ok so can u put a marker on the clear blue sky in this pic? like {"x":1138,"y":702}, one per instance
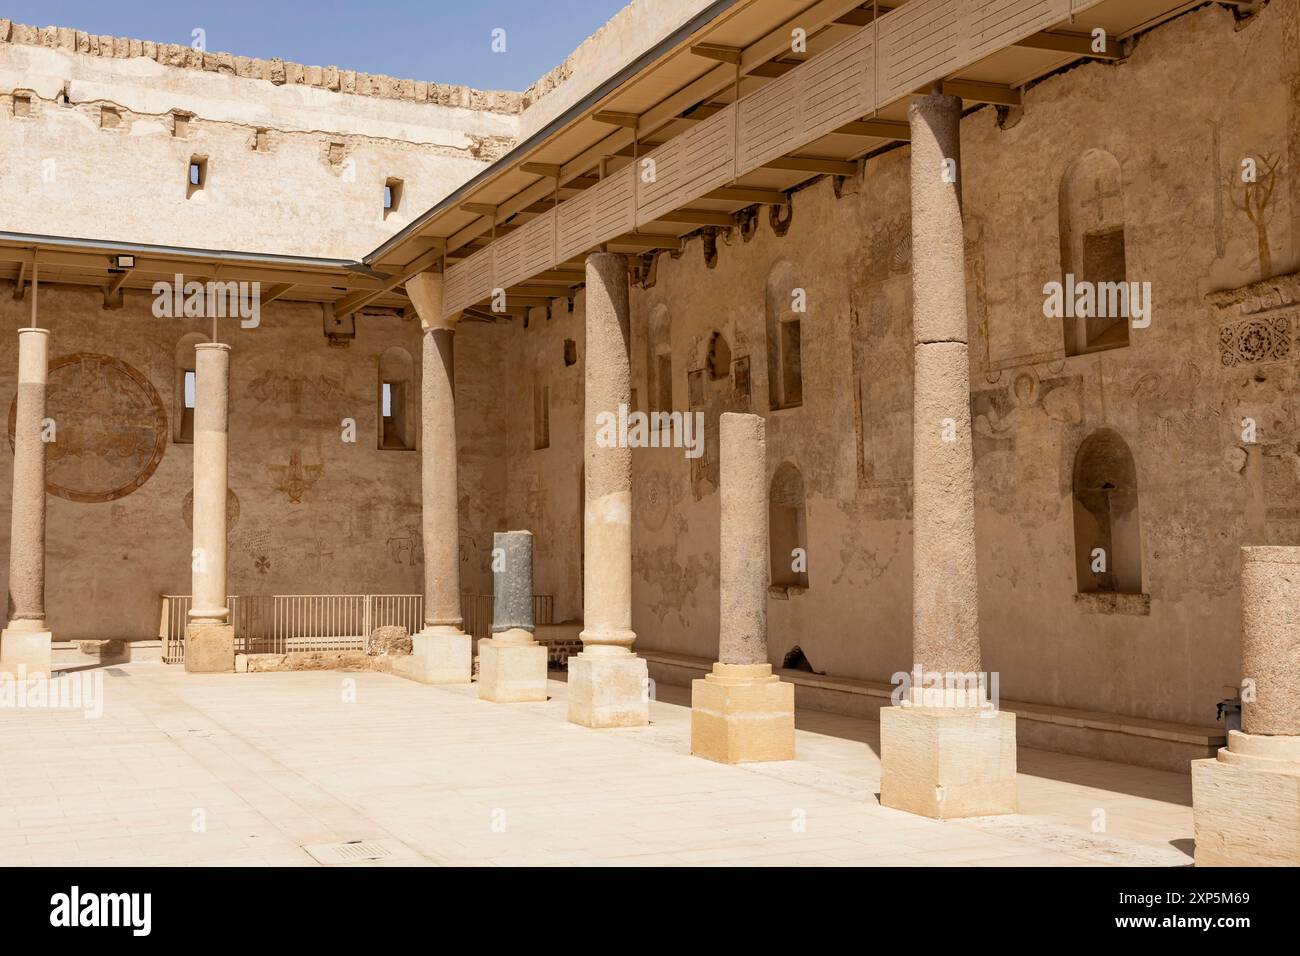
{"x":450,"y":42}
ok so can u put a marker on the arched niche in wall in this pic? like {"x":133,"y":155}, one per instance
{"x":784,"y":333}
{"x":396,"y":398}
{"x":183,"y":388}
{"x":1107,"y":526}
{"x":1091,"y":221}
{"x":719,"y":357}
{"x":788,"y":528}
{"x":659,"y":364}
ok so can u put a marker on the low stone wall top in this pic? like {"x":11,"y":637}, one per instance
{"x":276,"y":71}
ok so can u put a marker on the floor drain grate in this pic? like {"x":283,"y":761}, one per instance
{"x":355,"y":851}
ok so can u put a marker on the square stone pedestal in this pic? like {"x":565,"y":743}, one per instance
{"x":437,"y":657}
{"x":1246,"y":803}
{"x":509,"y":673}
{"x":742,"y":713}
{"x":210,"y":648}
{"x":946,"y":763}
{"x":25,"y":653}
{"x":609,"y":690}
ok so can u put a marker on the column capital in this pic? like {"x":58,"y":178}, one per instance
{"x":223,"y":346}
{"x":425,"y":292}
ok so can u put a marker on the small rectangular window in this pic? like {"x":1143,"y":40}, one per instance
{"x":392,"y":195}
{"x":186,"y":432}
{"x":198,"y":175}
{"x":388,"y":400}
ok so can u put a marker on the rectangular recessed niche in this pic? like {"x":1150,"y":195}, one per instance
{"x":22,"y":104}
{"x":181,"y":124}
{"x":261,"y":141}
{"x":198,"y":175}
{"x":109,"y":118}
{"x":392,"y":195}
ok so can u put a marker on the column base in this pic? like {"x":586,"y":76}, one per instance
{"x":742,"y":713}
{"x":439,"y":655}
{"x":1246,"y":802}
{"x":510,"y":673}
{"x":609,"y":690}
{"x":25,"y":653}
{"x":947,"y":763}
{"x":210,"y":648}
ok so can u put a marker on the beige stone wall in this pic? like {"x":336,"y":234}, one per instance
{"x":1195,"y":97}
{"x":310,"y":513}
{"x":544,"y":493}
{"x":310,"y":184}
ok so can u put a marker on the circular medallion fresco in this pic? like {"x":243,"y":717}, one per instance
{"x":110,"y":428}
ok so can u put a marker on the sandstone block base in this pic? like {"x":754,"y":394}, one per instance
{"x":1246,"y":803}
{"x":742,"y":713}
{"x":947,"y":763}
{"x":437,"y":657}
{"x":509,"y":673}
{"x":609,"y":690}
{"x":210,"y":649}
{"x":25,"y":653}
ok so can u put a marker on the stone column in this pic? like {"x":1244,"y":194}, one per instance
{"x":441,"y":653}
{"x":947,"y":752}
{"x":1246,"y":802}
{"x":209,"y":636}
{"x":512,"y":666}
{"x":608,"y":684}
{"x":25,"y":642}
{"x":742,"y":711}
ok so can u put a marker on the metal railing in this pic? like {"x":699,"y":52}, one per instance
{"x":284,"y":623}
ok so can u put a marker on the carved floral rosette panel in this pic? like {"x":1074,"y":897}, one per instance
{"x":1266,"y":338}
{"x":110,"y":428}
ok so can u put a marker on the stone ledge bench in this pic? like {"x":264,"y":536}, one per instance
{"x":1102,"y":736}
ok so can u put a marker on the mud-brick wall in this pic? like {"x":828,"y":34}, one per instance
{"x":1195,"y":97}
{"x":309,"y":512}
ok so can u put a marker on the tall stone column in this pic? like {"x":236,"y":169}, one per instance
{"x":25,"y":642}
{"x":1246,"y":802}
{"x":947,"y":752}
{"x":209,"y":636}
{"x":608,"y":684}
{"x":742,"y":711}
{"x":441,"y":653}
{"x":512,"y":666}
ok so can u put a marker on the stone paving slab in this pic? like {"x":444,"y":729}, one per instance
{"x":248,"y":769}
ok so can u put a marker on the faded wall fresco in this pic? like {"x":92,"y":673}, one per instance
{"x":308,"y":513}
{"x":1175,"y":395}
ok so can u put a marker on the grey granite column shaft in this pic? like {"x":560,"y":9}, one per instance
{"x":512,"y":585}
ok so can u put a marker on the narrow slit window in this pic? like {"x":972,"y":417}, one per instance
{"x":187,"y":408}
{"x":392,"y":195}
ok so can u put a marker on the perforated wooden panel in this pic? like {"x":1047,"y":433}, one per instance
{"x":994,"y":24}
{"x":919,"y":42}
{"x":479,"y":266}
{"x":708,"y":155}
{"x":769,"y":123}
{"x":539,"y":246}
{"x":507,"y":268}
{"x":660,"y":175}
{"x":613,"y":210}
{"x":574,"y":234}
{"x":455,"y":289}
{"x":837,"y":86}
